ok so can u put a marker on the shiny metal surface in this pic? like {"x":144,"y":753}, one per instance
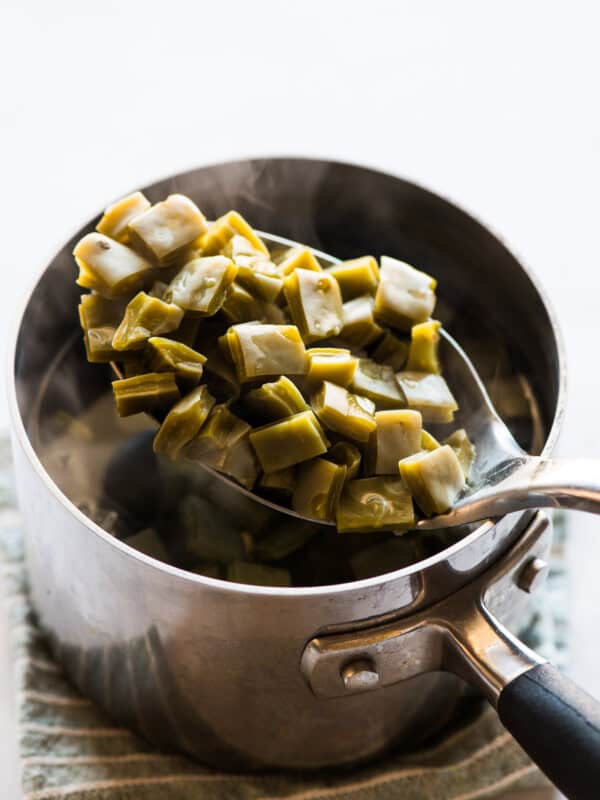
{"x":205,"y":666}
{"x":526,"y":482}
{"x":210,"y":667}
{"x":533,"y":575}
{"x":504,"y":477}
{"x":459,"y":634}
{"x":360,"y":675}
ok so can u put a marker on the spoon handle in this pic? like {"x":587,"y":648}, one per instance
{"x":530,"y":482}
{"x":549,"y":483}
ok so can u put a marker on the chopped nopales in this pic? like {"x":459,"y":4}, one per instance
{"x":225,"y":342}
{"x":257,"y":574}
{"x":464,"y":448}
{"x":347,"y":455}
{"x":315,"y":303}
{"x":241,"y":306}
{"x":220,"y":375}
{"x":116,"y":218}
{"x":167,"y":229}
{"x":217,"y":236}
{"x":334,"y":364}
{"x":298,"y":258}
{"x":378,"y":383}
{"x":148,"y":541}
{"x":434,"y":478}
{"x":210,"y":313}
{"x":187,"y":332}
{"x":348,"y":414}
{"x":275,"y":315}
{"x":429,"y":394}
{"x":99,"y":319}
{"x":318,"y":486}
{"x":263,"y":285}
{"x":405,"y":296}
{"x":223,"y":444}
{"x":392,"y":554}
{"x":398,"y":435}
{"x":428,"y":442}
{"x":289,"y":441}
{"x":284,"y":540}
{"x":423,"y":353}
{"x":166,"y":355}
{"x":221,"y":431}
{"x":200,"y":287}
{"x":358,"y":324}
{"x":277,"y":400}
{"x":371,"y":504}
{"x":158,"y":289}
{"x":256,"y":272}
{"x":356,"y":277}
{"x":153,"y":391}
{"x":183,"y":422}
{"x":205,"y":536}
{"x":109,"y":267}
{"x":145,"y":316}
{"x":240,"y":462}
{"x":241,"y":250}
{"x":392,"y":351}
{"x":134,"y":364}
{"x":266,"y":350}
{"x":279,"y":484}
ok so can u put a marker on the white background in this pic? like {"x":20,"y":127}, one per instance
{"x":494,"y":105}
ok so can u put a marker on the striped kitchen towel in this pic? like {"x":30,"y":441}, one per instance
{"x":69,"y":749}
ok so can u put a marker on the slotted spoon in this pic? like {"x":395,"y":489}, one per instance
{"x":504,"y":477}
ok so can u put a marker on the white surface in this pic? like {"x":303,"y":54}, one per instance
{"x":493,"y":105}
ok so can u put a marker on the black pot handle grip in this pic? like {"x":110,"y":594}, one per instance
{"x":558,"y":725}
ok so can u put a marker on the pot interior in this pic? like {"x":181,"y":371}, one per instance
{"x":105,"y":465}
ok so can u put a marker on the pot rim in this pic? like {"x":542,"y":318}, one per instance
{"x":20,"y":434}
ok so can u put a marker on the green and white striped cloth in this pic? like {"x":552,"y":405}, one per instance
{"x":69,"y":749}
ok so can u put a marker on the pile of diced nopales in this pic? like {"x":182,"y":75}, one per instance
{"x":307,"y":385}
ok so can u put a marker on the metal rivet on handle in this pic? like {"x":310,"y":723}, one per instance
{"x":360,"y":675}
{"x":533,"y":575}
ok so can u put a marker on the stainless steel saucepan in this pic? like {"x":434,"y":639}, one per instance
{"x":244,"y":677}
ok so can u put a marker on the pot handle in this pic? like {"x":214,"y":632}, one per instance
{"x":555,"y":722}
{"x":558,"y":725}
